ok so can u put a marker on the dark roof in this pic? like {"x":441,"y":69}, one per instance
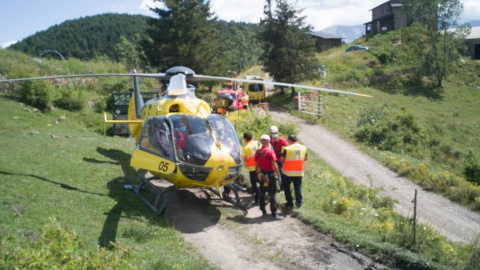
{"x":325,"y":35}
{"x":393,"y":3}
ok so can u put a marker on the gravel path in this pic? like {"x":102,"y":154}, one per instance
{"x":456,"y":222}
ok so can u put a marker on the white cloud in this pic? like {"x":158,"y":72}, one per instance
{"x":8,"y":43}
{"x":239,"y":11}
{"x":319,"y":13}
{"x":471,"y":9}
{"x":147,"y":4}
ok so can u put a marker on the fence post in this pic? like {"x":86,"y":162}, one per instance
{"x":415,"y":218}
{"x":320,"y":107}
{"x":299,"y":103}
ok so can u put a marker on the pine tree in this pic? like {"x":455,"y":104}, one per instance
{"x":289,"y":49}
{"x":184,"y":34}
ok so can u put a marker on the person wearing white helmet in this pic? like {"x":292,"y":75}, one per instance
{"x":267,"y":171}
{"x":278,"y":143}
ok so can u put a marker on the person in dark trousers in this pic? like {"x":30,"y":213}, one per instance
{"x":251,"y":146}
{"x":293,"y":158}
{"x":278,"y":143}
{"x":267,"y":171}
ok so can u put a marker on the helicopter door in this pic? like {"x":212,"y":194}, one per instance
{"x":155,"y":150}
{"x":225,"y":133}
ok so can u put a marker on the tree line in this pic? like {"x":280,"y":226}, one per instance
{"x":187,"y":32}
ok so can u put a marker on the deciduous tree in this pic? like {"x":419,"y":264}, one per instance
{"x":440,"y":53}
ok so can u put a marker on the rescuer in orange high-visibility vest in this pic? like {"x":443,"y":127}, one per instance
{"x":293,"y":157}
{"x":251,"y":146}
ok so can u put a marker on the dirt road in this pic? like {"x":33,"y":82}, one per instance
{"x":232,"y":240}
{"x":456,"y":222}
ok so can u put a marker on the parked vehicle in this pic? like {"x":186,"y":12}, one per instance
{"x":230,"y":100}
{"x":357,"y":48}
{"x":255,"y":91}
{"x":120,"y":101}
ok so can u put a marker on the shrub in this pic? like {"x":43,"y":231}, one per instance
{"x":60,"y":248}
{"x":402,"y":133}
{"x":37,"y":93}
{"x":72,"y":100}
{"x":472,"y":172}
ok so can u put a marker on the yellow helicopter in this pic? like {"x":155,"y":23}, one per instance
{"x":179,"y":139}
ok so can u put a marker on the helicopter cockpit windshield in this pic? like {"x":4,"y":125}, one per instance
{"x":189,"y":139}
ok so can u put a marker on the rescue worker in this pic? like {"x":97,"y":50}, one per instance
{"x":267,"y":171}
{"x":251,"y":146}
{"x":278,"y":143}
{"x":293,"y":157}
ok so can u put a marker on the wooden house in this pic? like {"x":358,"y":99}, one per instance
{"x":386,"y":17}
{"x":473,"y":43}
{"x":324,"y":41}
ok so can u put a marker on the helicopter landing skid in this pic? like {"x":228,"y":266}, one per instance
{"x":157,"y":206}
{"x":236,"y":200}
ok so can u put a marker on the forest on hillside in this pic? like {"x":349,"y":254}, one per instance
{"x":97,"y":36}
{"x":87,"y":37}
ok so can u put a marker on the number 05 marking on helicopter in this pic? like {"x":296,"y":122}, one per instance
{"x":163,"y":166}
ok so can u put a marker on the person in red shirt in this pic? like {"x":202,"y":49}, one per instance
{"x":180,"y":135}
{"x":278,"y":143}
{"x":267,"y":171}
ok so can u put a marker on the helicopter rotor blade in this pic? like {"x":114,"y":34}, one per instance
{"x":145,"y":75}
{"x":206,"y":78}
{"x":194,"y":77}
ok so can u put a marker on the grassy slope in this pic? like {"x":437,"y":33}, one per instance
{"x":61,"y":171}
{"x":448,"y":117}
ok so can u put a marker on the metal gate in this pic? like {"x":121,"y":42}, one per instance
{"x":310,"y":103}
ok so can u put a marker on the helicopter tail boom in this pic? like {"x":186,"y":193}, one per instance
{"x":106,"y":121}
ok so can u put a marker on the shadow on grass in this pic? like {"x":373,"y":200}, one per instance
{"x":415,"y":88}
{"x":126,"y":202}
{"x":64,"y":186}
{"x":428,"y":91}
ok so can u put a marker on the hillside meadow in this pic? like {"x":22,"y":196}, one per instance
{"x":427,"y":134}
{"x":61,"y":174}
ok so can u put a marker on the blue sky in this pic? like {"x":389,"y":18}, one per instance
{"x":22,"y":18}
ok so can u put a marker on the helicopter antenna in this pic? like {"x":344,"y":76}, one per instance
{"x":138,"y":97}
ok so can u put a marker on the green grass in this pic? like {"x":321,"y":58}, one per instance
{"x":448,"y":122}
{"x":58,"y":165}
{"x":68,"y":172}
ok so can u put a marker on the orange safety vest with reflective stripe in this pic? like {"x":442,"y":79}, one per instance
{"x":249,"y":154}
{"x":294,"y":159}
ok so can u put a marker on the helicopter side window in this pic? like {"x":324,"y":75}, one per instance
{"x":157,"y":139}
